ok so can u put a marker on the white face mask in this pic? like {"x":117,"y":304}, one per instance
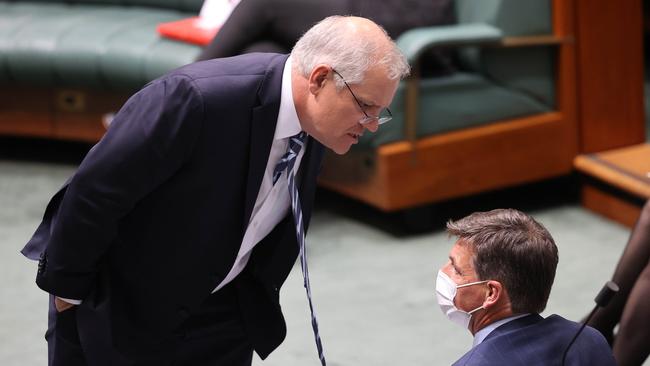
{"x":446,"y":292}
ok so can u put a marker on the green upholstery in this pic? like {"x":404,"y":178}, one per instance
{"x":493,"y":84}
{"x":99,"y":45}
{"x":513,"y":17}
{"x":416,"y":41}
{"x":452,"y":102}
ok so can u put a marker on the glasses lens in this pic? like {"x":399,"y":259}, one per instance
{"x":380,"y":120}
{"x":383,"y":120}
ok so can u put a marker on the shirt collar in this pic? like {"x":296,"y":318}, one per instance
{"x":288,"y":123}
{"x":485,"y":331}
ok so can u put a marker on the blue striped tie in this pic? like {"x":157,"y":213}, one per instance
{"x":286,"y":163}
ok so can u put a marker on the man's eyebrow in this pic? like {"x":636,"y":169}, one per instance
{"x":366,"y":102}
{"x":453,"y":264}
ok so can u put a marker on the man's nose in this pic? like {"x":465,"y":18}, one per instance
{"x":372,"y":126}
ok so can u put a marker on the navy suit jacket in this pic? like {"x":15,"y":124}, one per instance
{"x":153,"y":219}
{"x":535,"y":341}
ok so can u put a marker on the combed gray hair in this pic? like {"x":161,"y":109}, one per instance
{"x":329,"y":43}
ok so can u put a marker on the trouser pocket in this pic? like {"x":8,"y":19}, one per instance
{"x":67,"y":347}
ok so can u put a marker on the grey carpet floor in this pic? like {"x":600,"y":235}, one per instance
{"x":373,"y":290}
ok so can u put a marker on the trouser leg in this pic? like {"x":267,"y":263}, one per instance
{"x":63,"y":346}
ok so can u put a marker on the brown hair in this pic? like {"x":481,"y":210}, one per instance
{"x":514,"y":249}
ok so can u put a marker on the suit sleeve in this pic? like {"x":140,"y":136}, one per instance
{"x":150,"y":139}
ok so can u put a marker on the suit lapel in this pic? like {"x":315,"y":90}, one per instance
{"x":477,"y":357}
{"x":263,"y":122}
{"x":262,"y":130}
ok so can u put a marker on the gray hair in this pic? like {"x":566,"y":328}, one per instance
{"x":328,"y":42}
{"x":514,"y":249}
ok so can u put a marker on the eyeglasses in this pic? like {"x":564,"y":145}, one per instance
{"x":381,"y":119}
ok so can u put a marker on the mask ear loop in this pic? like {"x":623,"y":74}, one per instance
{"x":475,"y":310}
{"x":471,"y":283}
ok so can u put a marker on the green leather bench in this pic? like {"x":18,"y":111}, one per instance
{"x":491,"y":84}
{"x":84,"y":57}
{"x":506,"y":117}
{"x":96,"y":44}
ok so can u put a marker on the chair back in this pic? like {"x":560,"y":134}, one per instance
{"x":528,"y":69}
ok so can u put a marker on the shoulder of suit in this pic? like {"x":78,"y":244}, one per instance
{"x":248,"y":65}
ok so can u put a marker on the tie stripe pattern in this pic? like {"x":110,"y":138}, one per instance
{"x":295,"y":144}
{"x":286,"y":163}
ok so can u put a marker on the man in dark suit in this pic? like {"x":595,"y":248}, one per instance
{"x":180,"y":226}
{"x":495,"y":284}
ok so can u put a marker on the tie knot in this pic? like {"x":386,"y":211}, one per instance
{"x":296,"y":143}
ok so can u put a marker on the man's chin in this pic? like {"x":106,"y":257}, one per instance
{"x":340,"y":150}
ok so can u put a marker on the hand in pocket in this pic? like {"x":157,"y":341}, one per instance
{"x":61,"y":305}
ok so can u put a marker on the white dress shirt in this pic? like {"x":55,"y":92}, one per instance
{"x":272,"y":203}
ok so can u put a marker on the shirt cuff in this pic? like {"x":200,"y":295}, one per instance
{"x":71,"y":301}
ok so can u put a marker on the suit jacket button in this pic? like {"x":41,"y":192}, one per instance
{"x":42,"y":263}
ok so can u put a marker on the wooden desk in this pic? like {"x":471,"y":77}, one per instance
{"x":617,"y":182}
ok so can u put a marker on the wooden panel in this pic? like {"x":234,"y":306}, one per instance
{"x":79,"y":113}
{"x":565,"y":88}
{"x":526,"y":41}
{"x":618,"y":182}
{"x":457,"y":163}
{"x":59,"y":113}
{"x":26,"y":111}
{"x":610,"y":73}
{"x":610,"y":206}
{"x":627,"y":168}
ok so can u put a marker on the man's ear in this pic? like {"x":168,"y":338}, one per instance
{"x":495,"y":292}
{"x":318,"y":77}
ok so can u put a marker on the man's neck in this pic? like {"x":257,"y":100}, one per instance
{"x":482,"y":319}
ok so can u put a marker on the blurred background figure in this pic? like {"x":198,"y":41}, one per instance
{"x":629,"y":309}
{"x":276,"y":25}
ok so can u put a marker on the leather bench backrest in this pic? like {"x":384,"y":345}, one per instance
{"x":513,"y":17}
{"x":192,"y":6}
{"x":529,"y":69}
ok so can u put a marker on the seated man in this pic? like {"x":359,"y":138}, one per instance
{"x":497,"y":281}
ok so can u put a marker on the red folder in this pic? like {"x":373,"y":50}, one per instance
{"x":188,"y":30}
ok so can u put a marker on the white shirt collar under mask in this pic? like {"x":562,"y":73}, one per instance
{"x":446,"y":290}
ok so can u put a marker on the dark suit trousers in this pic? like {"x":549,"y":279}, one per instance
{"x":212,"y":336}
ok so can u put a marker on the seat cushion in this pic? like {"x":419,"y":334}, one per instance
{"x":454,"y":102}
{"x":85,"y":45}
